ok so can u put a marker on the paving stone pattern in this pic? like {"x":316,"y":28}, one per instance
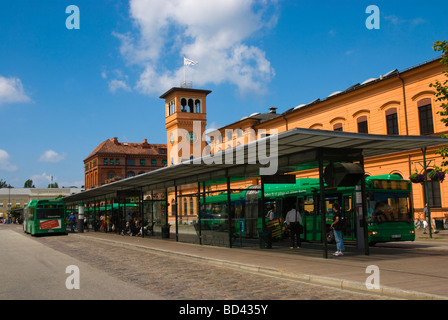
{"x":178,"y":278}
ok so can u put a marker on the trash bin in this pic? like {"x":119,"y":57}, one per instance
{"x":166,"y":231}
{"x":439,"y":224}
{"x":265,"y":240}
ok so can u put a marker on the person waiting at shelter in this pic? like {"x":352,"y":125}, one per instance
{"x":72,"y":220}
{"x":337,"y":229}
{"x":126,"y":230}
{"x":271,"y":214}
{"x":293,"y":221}
{"x":135,"y":227}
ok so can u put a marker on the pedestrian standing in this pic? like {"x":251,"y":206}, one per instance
{"x":337,"y":229}
{"x":293,"y":221}
{"x":72,"y":220}
{"x":271,"y":214}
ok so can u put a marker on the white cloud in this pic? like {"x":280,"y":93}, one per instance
{"x":11,"y":90}
{"x":41,"y":180}
{"x":115,"y":85}
{"x":396,"y":20}
{"x":51,"y":156}
{"x":5,"y":162}
{"x":215,"y":33}
{"x":119,"y":83}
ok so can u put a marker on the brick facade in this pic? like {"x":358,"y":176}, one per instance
{"x":113,"y":160}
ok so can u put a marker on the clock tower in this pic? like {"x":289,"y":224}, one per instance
{"x":185,"y":122}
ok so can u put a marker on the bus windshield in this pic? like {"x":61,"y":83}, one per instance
{"x":49,"y":213}
{"x":389,"y":207}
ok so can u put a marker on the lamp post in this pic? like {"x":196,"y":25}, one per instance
{"x":426,"y":192}
{"x":81,"y":217}
{"x":8,"y":212}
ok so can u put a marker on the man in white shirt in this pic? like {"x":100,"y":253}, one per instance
{"x":294,"y":220}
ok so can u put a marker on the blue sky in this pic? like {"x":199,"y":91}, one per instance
{"x":63,"y":91}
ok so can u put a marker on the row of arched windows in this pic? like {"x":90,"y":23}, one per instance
{"x":424,"y":113}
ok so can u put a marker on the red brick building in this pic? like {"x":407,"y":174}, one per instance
{"x":113,"y":160}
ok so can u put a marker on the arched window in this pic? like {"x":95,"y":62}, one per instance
{"x":190,"y":105}
{"x":425,"y":116}
{"x":171,"y":107}
{"x":130,"y":174}
{"x":392,"y":121}
{"x":197,"y":106}
{"x":434,"y":196}
{"x":397,"y":174}
{"x":337,"y":127}
{"x":183,"y":104}
{"x":173,"y":208}
{"x":185,"y":206}
{"x":362,"y":125}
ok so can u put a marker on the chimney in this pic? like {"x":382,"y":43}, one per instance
{"x":273,"y":110}
{"x":115,"y":140}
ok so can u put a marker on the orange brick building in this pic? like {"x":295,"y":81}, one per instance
{"x":396,"y":103}
{"x":113,"y":160}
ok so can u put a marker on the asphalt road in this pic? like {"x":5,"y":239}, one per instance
{"x":33,"y":270}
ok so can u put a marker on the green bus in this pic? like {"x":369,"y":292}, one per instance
{"x":389,"y":209}
{"x":45,"y":216}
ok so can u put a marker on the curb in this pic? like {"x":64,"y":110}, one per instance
{"x":348,"y":285}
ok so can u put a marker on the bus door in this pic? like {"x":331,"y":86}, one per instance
{"x":310,"y":219}
{"x":278,"y":208}
{"x":348,"y":210}
{"x":300,"y":206}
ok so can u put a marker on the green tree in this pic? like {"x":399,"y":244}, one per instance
{"x":3,"y":184}
{"x":53,"y":185}
{"x":442,"y":95}
{"x":29,"y":184}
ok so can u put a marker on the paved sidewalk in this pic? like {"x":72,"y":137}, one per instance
{"x":411,"y":270}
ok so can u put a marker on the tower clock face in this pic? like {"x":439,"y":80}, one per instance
{"x":172,"y":138}
{"x":191,"y":136}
